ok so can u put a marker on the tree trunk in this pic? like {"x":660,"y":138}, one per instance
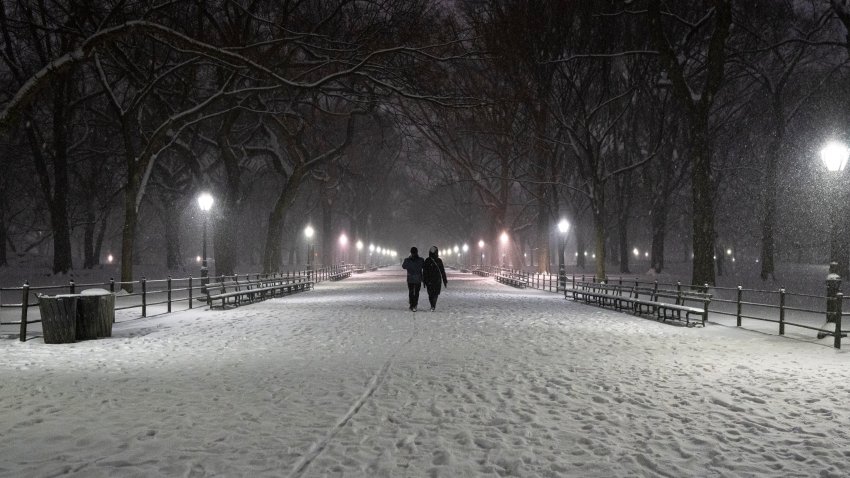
{"x":703,"y":207}
{"x":272,"y":250}
{"x":173,"y":256}
{"x":659,"y":234}
{"x":544,"y":221}
{"x":327,"y":230}
{"x":89,"y":260}
{"x":4,"y":237}
{"x":128,"y":234}
{"x":581,"y":247}
{"x":227,"y":232}
{"x":770,"y":188}
{"x":599,"y":230}
{"x":623,"y":242}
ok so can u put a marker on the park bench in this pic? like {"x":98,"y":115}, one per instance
{"x":481,"y":272}
{"x":672,"y":303}
{"x":235,"y":292}
{"x":518,"y":282}
{"x":339,"y":275}
{"x":602,"y":294}
{"x":664,"y":304}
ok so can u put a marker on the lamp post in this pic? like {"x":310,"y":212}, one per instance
{"x":343,"y":242}
{"x":563,"y":227}
{"x":308,"y":233}
{"x":481,"y":249}
{"x":359,"y":246}
{"x":834,"y":156}
{"x":503,"y":239}
{"x":205,"y":202}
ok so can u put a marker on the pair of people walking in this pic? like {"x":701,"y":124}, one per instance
{"x":429,"y":271}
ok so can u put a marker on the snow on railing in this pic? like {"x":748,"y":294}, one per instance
{"x":159,"y":294}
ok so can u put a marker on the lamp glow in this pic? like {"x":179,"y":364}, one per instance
{"x":834,"y":156}
{"x":205,"y":201}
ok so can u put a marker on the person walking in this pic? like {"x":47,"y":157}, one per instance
{"x":433,"y":273}
{"x":413,"y":264}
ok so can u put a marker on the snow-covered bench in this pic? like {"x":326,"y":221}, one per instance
{"x":235,"y":292}
{"x":664,"y":304}
{"x":518,"y":282}
{"x":340,"y":275}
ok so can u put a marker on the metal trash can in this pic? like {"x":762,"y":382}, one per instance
{"x":95,"y":314}
{"x":58,"y":318}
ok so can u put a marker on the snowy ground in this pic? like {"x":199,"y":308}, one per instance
{"x":344,"y":381}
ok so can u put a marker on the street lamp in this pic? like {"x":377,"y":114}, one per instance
{"x":359,"y":247}
{"x":465,"y":248}
{"x":481,"y":248}
{"x":308,"y":233}
{"x":563,"y":227}
{"x":343,"y":242}
{"x":834,"y":156}
{"x":205,"y":202}
{"x":503,"y":240}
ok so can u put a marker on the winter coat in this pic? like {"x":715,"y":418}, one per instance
{"x":434,"y":272}
{"x":413,"y":265}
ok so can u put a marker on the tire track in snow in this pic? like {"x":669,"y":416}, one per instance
{"x":318,"y":447}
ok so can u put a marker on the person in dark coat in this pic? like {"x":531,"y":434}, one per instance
{"x":413,"y":265}
{"x":434,"y":274}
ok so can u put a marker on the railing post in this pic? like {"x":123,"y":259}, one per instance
{"x":25,"y":303}
{"x":190,"y":291}
{"x":144,"y":297}
{"x":168,"y":283}
{"x":781,"y":311}
{"x":738,"y":313}
{"x":112,"y":285}
{"x":839,"y":298}
{"x":72,"y":288}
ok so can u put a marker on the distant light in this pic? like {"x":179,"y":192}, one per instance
{"x":594,"y":256}
{"x":378,"y":249}
{"x":713,"y":257}
{"x":465,"y":248}
{"x":728,"y":252}
{"x":308,"y":231}
{"x":504,"y":238}
{"x":585,"y":253}
{"x":109,"y":258}
{"x":563,"y":226}
{"x":576,"y":253}
{"x":343,"y":240}
{"x":481,"y":243}
{"x":456,"y":249}
{"x":359,"y":245}
{"x":636,"y":252}
{"x":371,"y":248}
{"x":646,"y":254}
{"x":757,"y":261}
{"x":733,"y":259}
{"x":834,"y":156}
{"x":205,"y":201}
{"x":198,"y":259}
{"x":524,"y":254}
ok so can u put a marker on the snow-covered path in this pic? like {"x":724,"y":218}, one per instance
{"x":344,"y":381}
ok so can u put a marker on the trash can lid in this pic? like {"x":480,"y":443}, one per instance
{"x":95,"y":292}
